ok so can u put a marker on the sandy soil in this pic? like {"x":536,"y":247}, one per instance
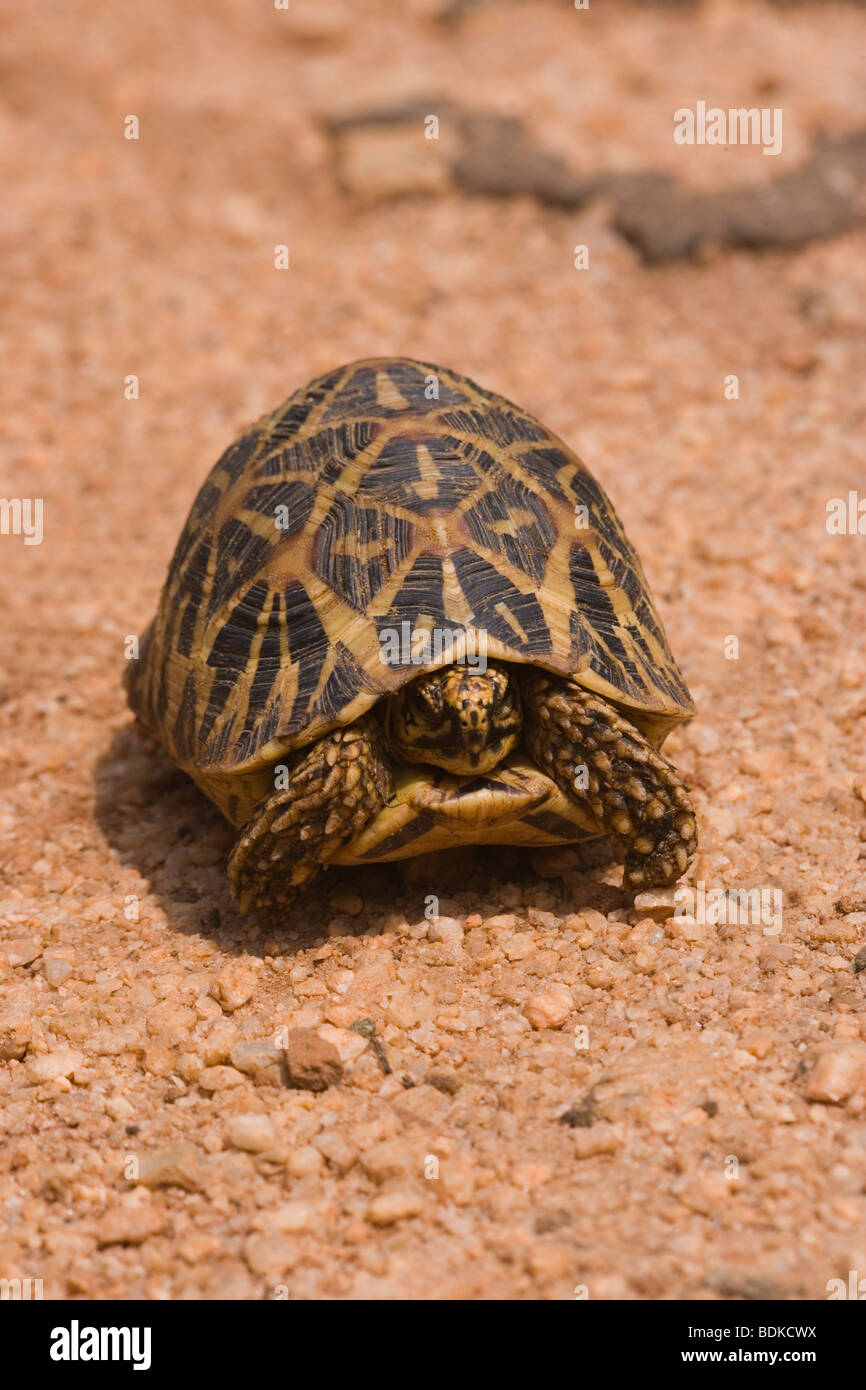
{"x":711,"y":1076}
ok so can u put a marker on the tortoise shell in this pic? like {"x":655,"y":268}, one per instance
{"x":386,"y":497}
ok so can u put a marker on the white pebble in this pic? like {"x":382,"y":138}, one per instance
{"x":51,"y":1065}
{"x":254,"y":1133}
{"x":839,"y":1071}
{"x":447,"y":930}
{"x":550,"y":1007}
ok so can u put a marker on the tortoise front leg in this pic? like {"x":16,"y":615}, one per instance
{"x":634,"y":793}
{"x":334,"y":788}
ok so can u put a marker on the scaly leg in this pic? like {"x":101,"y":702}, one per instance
{"x":634,"y":793}
{"x":334,"y":788}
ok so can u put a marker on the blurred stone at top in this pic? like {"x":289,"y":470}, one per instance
{"x":392,"y":151}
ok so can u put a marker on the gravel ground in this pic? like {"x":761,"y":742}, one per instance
{"x":562,"y":1095}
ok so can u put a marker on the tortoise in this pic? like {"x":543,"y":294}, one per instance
{"x":403,"y":616}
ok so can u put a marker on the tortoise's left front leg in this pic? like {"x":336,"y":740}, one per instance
{"x":634,"y":793}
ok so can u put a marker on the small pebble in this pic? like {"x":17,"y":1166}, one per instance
{"x":596,"y":921}
{"x":598,"y":1139}
{"x":313,"y":1063}
{"x":760,"y":1042}
{"x":335,"y":1148}
{"x":839,"y":1071}
{"x":550,"y":1007}
{"x":503,"y":920}
{"x":520,"y":947}
{"x":22,"y":951}
{"x":548,"y":920}
{"x":264,"y":1062}
{"x":252,"y":1132}
{"x":394,"y":1158}
{"x":220,"y":1078}
{"x":271,"y":1256}
{"x":181,"y":1165}
{"x":56,"y":971}
{"x":216,"y":1047}
{"x":348,"y":1043}
{"x":119,"y":1108}
{"x":389,"y":1207}
{"x":311,"y":989}
{"x":50,"y":1065}
{"x":291,"y":1217}
{"x":447,"y":930}
{"x":130,"y":1225}
{"x":305,"y":1162}
{"x":14,"y":1040}
{"x":234,"y":986}
{"x":658,"y":903}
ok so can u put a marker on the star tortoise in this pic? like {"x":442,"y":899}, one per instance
{"x":403,"y":616}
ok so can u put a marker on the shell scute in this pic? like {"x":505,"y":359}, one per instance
{"x":388,"y":388}
{"x":514,"y":523}
{"x":356,"y":549}
{"x":428,"y":473}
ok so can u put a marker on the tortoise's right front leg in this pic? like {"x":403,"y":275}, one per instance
{"x":334,"y":788}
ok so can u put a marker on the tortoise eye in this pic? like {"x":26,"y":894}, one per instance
{"x":427,"y":702}
{"x":501,"y":695}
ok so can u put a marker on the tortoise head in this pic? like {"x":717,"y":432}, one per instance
{"x":458,"y":718}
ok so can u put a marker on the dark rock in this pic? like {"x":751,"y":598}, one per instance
{"x":313,"y":1064}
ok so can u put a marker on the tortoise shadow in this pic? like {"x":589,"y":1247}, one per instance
{"x":159,"y":824}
